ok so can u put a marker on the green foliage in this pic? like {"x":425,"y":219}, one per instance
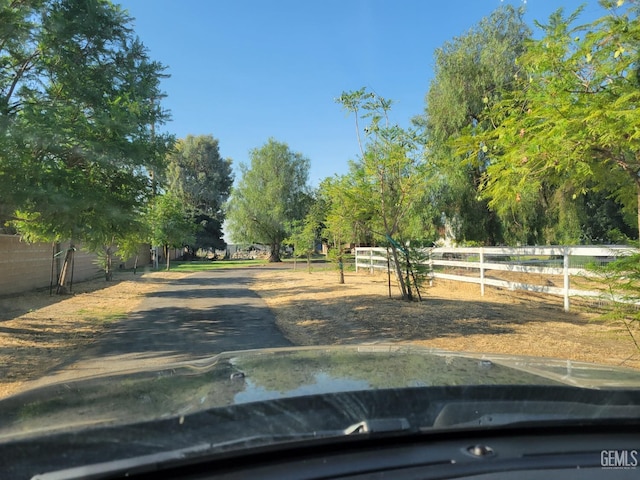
{"x":568,"y":126}
{"x":170,"y":224}
{"x":470,"y":71}
{"x":387,"y":187}
{"x":271,"y":194}
{"x":605,"y":221}
{"x":202,"y":180}
{"x":304,"y":234}
{"x":622,"y":281}
{"x":347,"y":219}
{"x":79,"y":97}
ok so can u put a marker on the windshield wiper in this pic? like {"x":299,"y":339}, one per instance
{"x":379,"y":425}
{"x":160,"y":460}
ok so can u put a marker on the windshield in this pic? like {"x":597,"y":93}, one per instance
{"x":212,"y":207}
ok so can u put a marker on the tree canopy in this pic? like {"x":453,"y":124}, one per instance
{"x":570,"y":124}
{"x":271,"y":195}
{"x":170,"y":225}
{"x":79,"y":100}
{"x":469,"y":70}
{"x":202,"y":180}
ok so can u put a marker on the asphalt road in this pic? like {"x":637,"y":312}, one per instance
{"x":195,"y":317}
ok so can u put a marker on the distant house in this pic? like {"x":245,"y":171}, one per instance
{"x":446,"y":232}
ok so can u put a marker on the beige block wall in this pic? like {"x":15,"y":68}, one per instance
{"x":27,"y":266}
{"x":23,"y":266}
{"x":144,"y":259}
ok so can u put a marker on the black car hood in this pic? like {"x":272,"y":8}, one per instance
{"x":241,"y":377}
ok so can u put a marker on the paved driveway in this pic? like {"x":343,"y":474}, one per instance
{"x":198,"y":316}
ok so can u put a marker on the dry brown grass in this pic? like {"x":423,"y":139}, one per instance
{"x":314,"y":309}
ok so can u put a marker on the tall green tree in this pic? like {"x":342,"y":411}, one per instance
{"x":202,"y":179}
{"x":571,"y":122}
{"x":271,"y":195}
{"x":18,"y":67}
{"x":79,"y":100}
{"x":469,"y":71}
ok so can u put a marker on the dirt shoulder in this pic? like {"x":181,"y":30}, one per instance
{"x":313,"y":309}
{"x":39,"y":331}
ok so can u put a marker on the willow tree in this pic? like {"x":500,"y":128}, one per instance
{"x":271,"y":195}
{"x":470,"y":70}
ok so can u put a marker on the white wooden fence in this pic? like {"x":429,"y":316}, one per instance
{"x":564,"y":261}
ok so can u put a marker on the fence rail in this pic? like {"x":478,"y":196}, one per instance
{"x":561,"y":261}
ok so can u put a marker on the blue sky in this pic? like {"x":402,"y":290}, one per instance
{"x":247,"y":70}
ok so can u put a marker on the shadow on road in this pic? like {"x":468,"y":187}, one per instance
{"x":200,"y":316}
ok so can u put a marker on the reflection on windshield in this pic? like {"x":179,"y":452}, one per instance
{"x":321,"y":382}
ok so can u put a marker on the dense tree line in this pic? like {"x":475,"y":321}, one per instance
{"x":79,"y":97}
{"x":522,"y":140}
{"x":562,"y":142}
{"x":82,"y":154}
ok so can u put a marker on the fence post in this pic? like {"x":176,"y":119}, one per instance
{"x":565,"y":267}
{"x":356,"y":260}
{"x":482,"y":271}
{"x":370,"y":260}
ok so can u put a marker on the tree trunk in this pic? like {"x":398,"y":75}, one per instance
{"x":341,"y":269}
{"x":408,"y":279}
{"x":66,"y":272}
{"x":167,"y":256}
{"x":108,"y":263}
{"x":638,"y":195}
{"x":388,"y":272}
{"x":274,"y":255}
{"x":399,"y":273}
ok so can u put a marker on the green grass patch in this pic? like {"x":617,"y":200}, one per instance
{"x":201,"y":266}
{"x":101,"y":316}
{"x":112,"y":317}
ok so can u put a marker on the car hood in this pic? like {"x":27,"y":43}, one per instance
{"x":240,"y":377}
